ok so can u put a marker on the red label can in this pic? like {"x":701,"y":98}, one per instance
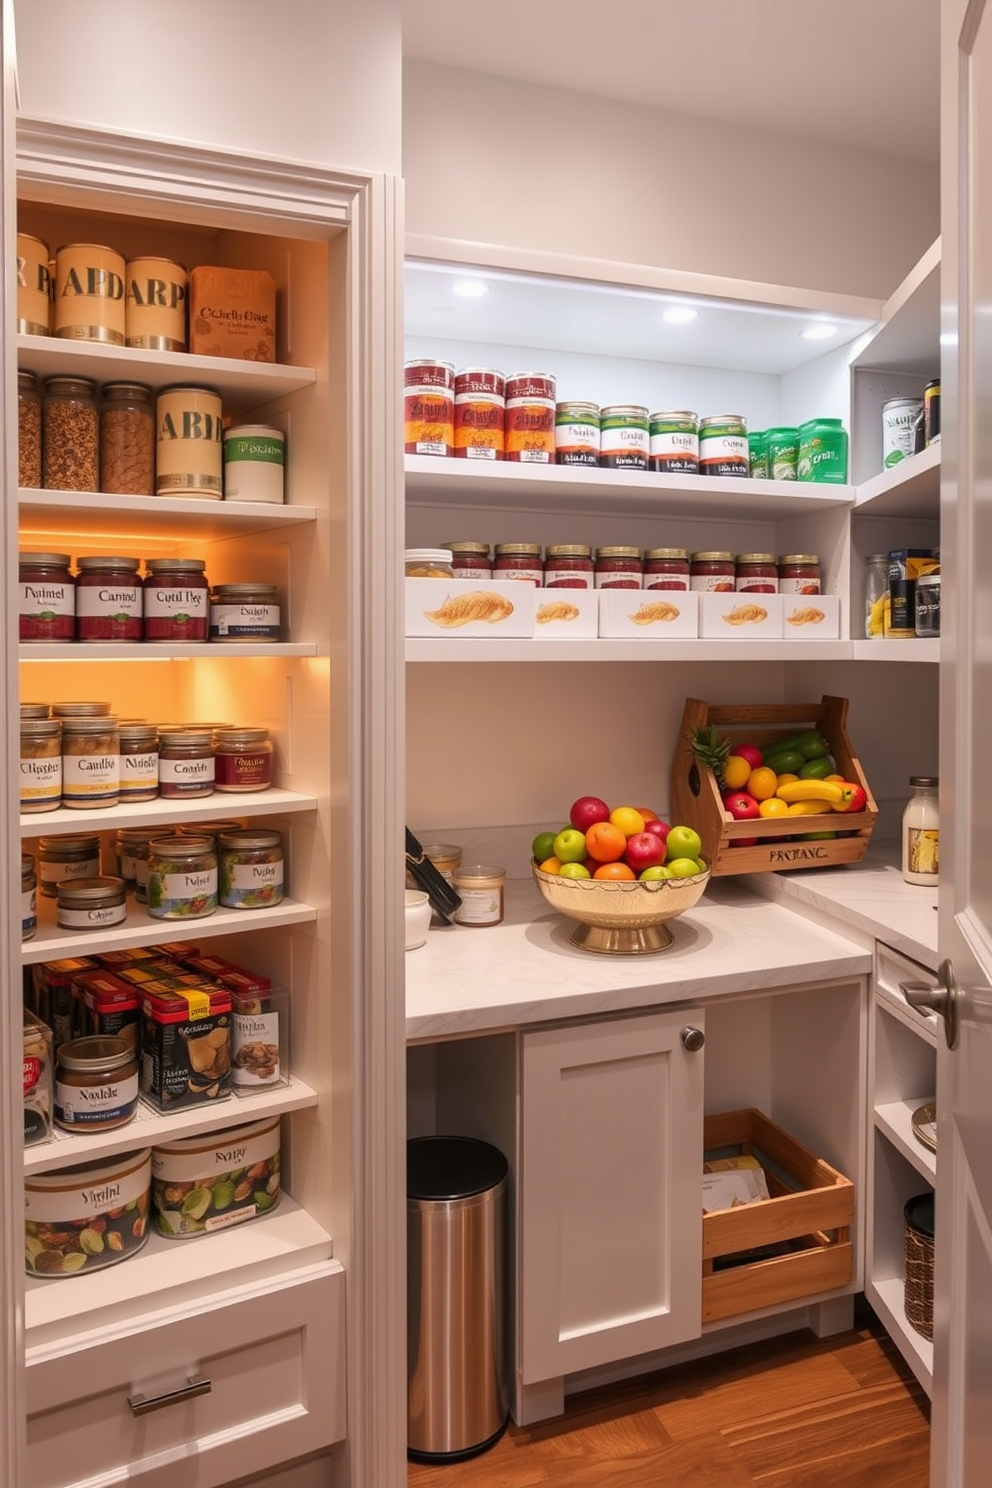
{"x":480,"y":408}
{"x":428,"y":407}
{"x":530,"y":418}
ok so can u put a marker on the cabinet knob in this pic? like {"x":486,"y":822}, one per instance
{"x":693,"y":1039}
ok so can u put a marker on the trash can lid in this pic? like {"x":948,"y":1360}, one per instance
{"x":452,"y":1167}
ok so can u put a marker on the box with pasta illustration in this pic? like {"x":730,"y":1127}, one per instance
{"x":740,"y":617}
{"x":479,"y":610}
{"x":810,"y":617}
{"x":648,"y":614}
{"x":563,"y":614}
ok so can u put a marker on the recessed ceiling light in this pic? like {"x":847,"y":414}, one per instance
{"x":470,"y":289}
{"x":679,"y":314}
{"x":819,"y":332}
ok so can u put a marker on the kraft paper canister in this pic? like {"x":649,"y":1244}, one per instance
{"x":89,"y":293}
{"x":254,"y":463}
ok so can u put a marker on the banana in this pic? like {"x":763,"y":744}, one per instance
{"x":808,"y":808}
{"x":810,"y":790}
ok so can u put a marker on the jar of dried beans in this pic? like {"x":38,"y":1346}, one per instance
{"x":70,"y":435}
{"x":28,"y":430}
{"x":127,"y":440}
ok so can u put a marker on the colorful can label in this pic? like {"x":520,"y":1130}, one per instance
{"x":180,"y":896}
{"x":898,"y":417}
{"x":723,"y":446}
{"x":530,"y":418}
{"x":480,"y":413}
{"x":577,"y":434}
{"x":782,"y":453}
{"x":155,"y":304}
{"x":674,"y":443}
{"x":428,"y":407}
{"x":89,"y":294}
{"x":624,"y":440}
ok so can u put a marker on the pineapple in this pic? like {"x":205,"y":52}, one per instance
{"x":710,"y":748}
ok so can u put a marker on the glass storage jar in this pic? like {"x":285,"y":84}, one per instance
{"x":428,"y":563}
{"x":127,"y":439}
{"x":186,"y":765}
{"x":139,"y":762}
{"x":70,"y":435}
{"x":76,"y":855}
{"x":519,"y":561}
{"x":47,"y":597}
{"x":712,"y":572}
{"x":41,"y":764}
{"x":28,"y":430}
{"x":666,"y":568}
{"x":96,"y":1084}
{"x":921,"y":832}
{"x":799,"y":573}
{"x":91,"y":764}
{"x":470,"y":560}
{"x":482,"y":889}
{"x":245,"y":612}
{"x":182,"y":878}
{"x":876,"y":595}
{"x":243,"y":759}
{"x":568,"y":566}
{"x":251,"y":869}
{"x":756,"y":573}
{"x":108,"y":600}
{"x":176,"y":599}
{"x":619,"y":568}
{"x":91,"y":903}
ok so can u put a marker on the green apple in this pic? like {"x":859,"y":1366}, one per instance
{"x":683,"y":842}
{"x":543,"y":846}
{"x":570,"y":845}
{"x":683,"y":867}
{"x":574,"y":870}
{"x":659,"y":870}
{"x":702,"y":867}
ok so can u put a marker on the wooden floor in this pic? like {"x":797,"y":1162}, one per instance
{"x":796,"y":1412}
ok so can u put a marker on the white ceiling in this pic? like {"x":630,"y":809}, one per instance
{"x":860,"y":73}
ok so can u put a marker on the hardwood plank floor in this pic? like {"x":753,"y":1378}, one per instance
{"x":794,"y":1412}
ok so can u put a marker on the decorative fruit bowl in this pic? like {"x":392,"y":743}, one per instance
{"x":621,"y":917}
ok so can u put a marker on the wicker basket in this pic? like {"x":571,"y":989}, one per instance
{"x":918,"y":1214}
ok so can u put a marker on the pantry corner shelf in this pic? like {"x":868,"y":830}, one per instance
{"x":909,"y":489}
{"x":451,"y":649}
{"x":159,"y":651}
{"x":166,"y":813}
{"x":168,"y":518}
{"x":895,"y":1120}
{"x":887,"y":1297}
{"x":907,"y":650}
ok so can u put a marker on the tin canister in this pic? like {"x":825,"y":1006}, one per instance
{"x":577,"y":433}
{"x":723,"y":446}
{"x":89,"y":293}
{"x":34,"y":286}
{"x":674,"y":442}
{"x":530,"y":418}
{"x":898,"y":415}
{"x":624,"y":438}
{"x":428,"y":407}
{"x":91,"y":1215}
{"x":206,"y":1183}
{"x":188,"y":460}
{"x":155,"y":304}
{"x":931,"y":412}
{"x":254,"y":463}
{"x":480,"y":410}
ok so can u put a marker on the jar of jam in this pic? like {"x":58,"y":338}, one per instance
{"x":90,"y":903}
{"x":243,"y":759}
{"x":96,"y":1084}
{"x":28,"y":430}
{"x":757,"y":573}
{"x":91,"y":763}
{"x":519,"y":561}
{"x":139,"y":762}
{"x":186,"y":766}
{"x":245,"y":612}
{"x":470,"y":560}
{"x":29,"y":902}
{"x":568,"y":566}
{"x":482,"y":890}
{"x":619,"y":568}
{"x":76,"y":855}
{"x":799,"y":573}
{"x":176,"y":600}
{"x":41,"y":764}
{"x":712,"y":572}
{"x":251,"y":869}
{"x":47,"y":597}
{"x":182,"y":878}
{"x":666,"y":568}
{"x":108,"y":600}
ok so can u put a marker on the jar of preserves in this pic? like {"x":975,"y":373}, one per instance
{"x":674,"y":442}
{"x":182,"y":878}
{"x":89,"y":295}
{"x":80,"y":710}
{"x":76,"y":856}
{"x":479,"y":413}
{"x":251,"y":869}
{"x":176,"y":600}
{"x":29,"y":899}
{"x":70,"y":435}
{"x":712,"y":572}
{"x":90,"y":903}
{"x":243,"y":759}
{"x":666,"y":568}
{"x":41,"y":764}
{"x":28,"y":431}
{"x":623,"y":437}
{"x":428,"y":563}
{"x":428,"y":407}
{"x":577,"y":433}
{"x":723,"y":446}
{"x":568,"y":566}
{"x":91,"y":764}
{"x":139,"y":762}
{"x":530,"y":418}
{"x":619,"y":568}
{"x":519,"y":561}
{"x":188,"y":445}
{"x":96,"y":1084}
{"x":127,"y":439}
{"x":756,"y":573}
{"x":47,"y":597}
{"x":921,"y":832}
{"x":108,"y":600}
{"x":482,"y":889}
{"x":470,"y":560}
{"x":799,"y":573}
{"x":186,"y":766}
{"x":245,"y":612}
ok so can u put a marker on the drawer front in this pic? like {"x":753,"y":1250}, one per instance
{"x":891,"y":968}
{"x":274,"y":1357}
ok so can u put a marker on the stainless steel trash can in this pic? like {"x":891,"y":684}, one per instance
{"x":456,"y":1270}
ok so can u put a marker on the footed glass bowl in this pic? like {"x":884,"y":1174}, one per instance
{"x":623,"y":917}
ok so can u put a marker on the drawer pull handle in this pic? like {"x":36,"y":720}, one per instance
{"x":196,"y":1384}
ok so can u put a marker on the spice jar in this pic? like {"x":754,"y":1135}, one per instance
{"x":131,"y":858}
{"x":29,"y":901}
{"x":712,"y":572}
{"x":127,"y":439}
{"x":75,"y":856}
{"x":482,"y":889}
{"x":47,"y":597}
{"x":243,"y":759}
{"x":70,"y":435}
{"x":91,"y":773}
{"x":666,"y":568}
{"x":799,"y":573}
{"x":139,"y":762}
{"x":756,"y":573}
{"x":245,"y":612}
{"x":519,"y":561}
{"x":41,"y":764}
{"x":921,"y":832}
{"x":96,"y":1084}
{"x":428,"y":563}
{"x":928,"y":605}
{"x":90,"y":903}
{"x":182,"y":878}
{"x":108,"y":600}
{"x":470,"y":560}
{"x":876,"y":595}
{"x":185,"y":763}
{"x":188,"y":453}
{"x":619,"y":568}
{"x":251,"y":869}
{"x":176,"y":599}
{"x":568,"y":566}
{"x":28,"y":431}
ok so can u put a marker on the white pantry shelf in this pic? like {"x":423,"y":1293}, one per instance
{"x":909,"y":489}
{"x":166,"y":519}
{"x":452,"y":649}
{"x":908,"y":650}
{"x":167,"y":813}
{"x":887,"y":1297}
{"x":894,"y":1119}
{"x":145,"y":651}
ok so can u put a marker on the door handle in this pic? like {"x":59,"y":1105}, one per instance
{"x":196,"y":1384}
{"x":693,"y":1039}
{"x":944,"y":1000}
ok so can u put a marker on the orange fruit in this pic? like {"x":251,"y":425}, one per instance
{"x":605,"y":842}
{"x":550,"y":865}
{"x":736,"y":772}
{"x":773,"y":807}
{"x":787,"y":778}
{"x":647,"y":813}
{"x":628,"y":819}
{"x":614,"y":871}
{"x":762,"y":783}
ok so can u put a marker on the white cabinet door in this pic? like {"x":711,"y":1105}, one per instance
{"x":611,"y":1226}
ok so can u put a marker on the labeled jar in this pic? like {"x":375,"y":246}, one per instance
{"x":470,"y":560}
{"x":75,"y":856}
{"x":666,"y":568}
{"x":757,"y":451}
{"x":91,"y":765}
{"x":88,"y":1216}
{"x":479,"y":413}
{"x":876,"y":595}
{"x":182,"y":878}
{"x":243,"y":759}
{"x":482,"y":889}
{"x":176,"y":600}
{"x":186,"y":766}
{"x":530,"y":418}
{"x":127,"y":439}
{"x":155,"y":304}
{"x":712,"y":572}
{"x":931,"y":412}
{"x":41,"y":764}
{"x":188,"y":453}
{"x":673,"y":447}
{"x":799,"y":573}
{"x":89,"y":295}
{"x":34,"y":287}
{"x":96,"y":1084}
{"x":428,"y":563}
{"x":131,"y":858}
{"x":723,"y":447}
{"x":823,"y":451}
{"x":619,"y":568}
{"x":577,"y":433}
{"x":568,"y":566}
{"x":90,"y":903}
{"x":898,"y":416}
{"x":251,"y":869}
{"x":928,"y":605}
{"x":138,"y":762}
{"x":34,"y":710}
{"x":782,"y":453}
{"x":245,"y":612}
{"x":28,"y":431}
{"x":519,"y":561}
{"x":921,"y":832}
{"x":29,"y":897}
{"x":756,"y":573}
{"x":428,"y":407}
{"x":624,"y":439}
{"x":254,"y":463}
{"x":70,"y":439}
{"x":46,"y":597}
{"x":109,"y":600}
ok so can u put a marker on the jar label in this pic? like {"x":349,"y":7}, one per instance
{"x":251,"y":885}
{"x":121,"y":604}
{"x":95,"y":918}
{"x":577,"y":442}
{"x":92,"y":778}
{"x":53,"y":873}
{"x":666,"y":581}
{"x":249,"y":771}
{"x":479,"y":419}
{"x":711,"y":583}
{"x":568,"y":578}
{"x":258,"y":448}
{"x":182,"y":895}
{"x":524,"y":575}
{"x":255,"y":1049}
{"x":675,"y":451}
{"x":618,"y":581}
{"x":480,"y":907}
{"x":179,"y":605}
{"x":244,"y":621}
{"x":100,"y":1197}
{"x":193,"y":773}
{"x":29,"y":913}
{"x":429,"y":420}
{"x":472,"y":573}
{"x":194,"y":1167}
{"x":530,"y":430}
{"x":799,"y":586}
{"x":724,"y":454}
{"x":139,"y":776}
{"x":96,"y":1105}
{"x":923,"y":851}
{"x":624,"y":447}
{"x":45,"y":601}
{"x":41,"y":782}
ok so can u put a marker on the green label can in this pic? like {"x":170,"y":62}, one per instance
{"x":254,"y":463}
{"x":782,"y":453}
{"x":577,"y":433}
{"x":674,"y":442}
{"x":757,"y":451}
{"x":624,"y":438}
{"x":822,"y":452}
{"x":723,"y":447}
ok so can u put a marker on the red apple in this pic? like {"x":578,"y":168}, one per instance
{"x":853,"y":798}
{"x":750,"y":752}
{"x":587,"y":811}
{"x":749,"y":841}
{"x":644,"y":850}
{"x":741,"y":806}
{"x":657,"y":827}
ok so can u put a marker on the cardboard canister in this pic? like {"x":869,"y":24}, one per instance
{"x":188,"y":460}
{"x":155,"y":304}
{"x":254,"y":463}
{"x":89,"y":293}
{"x":34,"y":286}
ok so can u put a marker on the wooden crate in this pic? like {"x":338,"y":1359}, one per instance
{"x":812,"y":1205}
{"x":695,"y":795}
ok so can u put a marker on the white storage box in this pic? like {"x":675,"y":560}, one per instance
{"x":648,"y":614}
{"x":476,"y":608}
{"x":807,"y":617}
{"x":740,"y":617}
{"x":566,"y":614}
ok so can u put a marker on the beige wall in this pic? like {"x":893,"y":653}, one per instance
{"x":496,"y":161}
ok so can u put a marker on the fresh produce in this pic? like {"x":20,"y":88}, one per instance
{"x":627,"y":842}
{"x":795,"y":771}
{"x":711,"y":748}
{"x":741,"y":805}
{"x":586,"y":811}
{"x":645,"y":850}
{"x":570,"y":845}
{"x":543,"y":846}
{"x":810,"y":790}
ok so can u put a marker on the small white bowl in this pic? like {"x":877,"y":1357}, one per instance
{"x":418,"y":918}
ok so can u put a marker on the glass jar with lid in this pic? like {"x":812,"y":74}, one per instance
{"x":243,"y":759}
{"x":245,"y":612}
{"x":41,"y":764}
{"x":176,"y":599}
{"x":91,"y":903}
{"x":666,"y":568}
{"x":251,"y":869}
{"x":712,"y":572}
{"x":876,"y":594}
{"x":921,"y":832}
{"x":186,"y":765}
{"x":108,"y":600}
{"x":139,"y":761}
{"x":127,"y":439}
{"x":519,"y":561}
{"x":619,"y":568}
{"x":75,"y":855}
{"x":96,"y":1084}
{"x":799,"y":573}
{"x":568,"y":566}
{"x":28,"y":430}
{"x":470,"y":560}
{"x":756,"y":573}
{"x":428,"y":563}
{"x":70,"y":435}
{"x":46,"y":597}
{"x":91,"y":763}
{"x":182,"y":878}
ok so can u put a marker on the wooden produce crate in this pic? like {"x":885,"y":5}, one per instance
{"x":809,"y":1216}
{"x":696,"y":802}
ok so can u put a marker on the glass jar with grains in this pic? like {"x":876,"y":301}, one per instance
{"x":70,"y":435}
{"x":28,"y":430}
{"x":127,"y":440}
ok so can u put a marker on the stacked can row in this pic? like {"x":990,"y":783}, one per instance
{"x":814,"y":451}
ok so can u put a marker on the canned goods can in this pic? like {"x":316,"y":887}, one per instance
{"x":782,"y":453}
{"x":624,"y":438}
{"x":480,"y":412}
{"x":674,"y":442}
{"x":757,"y":449}
{"x":188,"y":443}
{"x":898,"y":416}
{"x":34,"y":286}
{"x":89,"y":293}
{"x":931,"y":412}
{"x":254,"y":463}
{"x":723,"y":447}
{"x":155,"y":304}
{"x":428,"y":407}
{"x":530,"y":418}
{"x":577,"y":436}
